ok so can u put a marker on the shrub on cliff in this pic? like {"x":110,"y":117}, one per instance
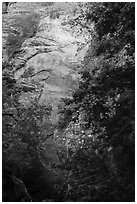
{"x":104,"y":107}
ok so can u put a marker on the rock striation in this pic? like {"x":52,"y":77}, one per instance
{"x":47,"y":64}
{"x":51,"y":59}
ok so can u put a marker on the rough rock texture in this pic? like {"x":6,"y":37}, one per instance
{"x":53,"y":56}
{"x":48,"y":62}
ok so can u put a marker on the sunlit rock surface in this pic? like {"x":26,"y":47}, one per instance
{"x":48,"y":64}
{"x":52,"y":58}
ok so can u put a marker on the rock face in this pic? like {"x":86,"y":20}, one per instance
{"x":52,"y":56}
{"x":48,"y":63}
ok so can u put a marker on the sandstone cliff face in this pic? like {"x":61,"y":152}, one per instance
{"x":51,"y":59}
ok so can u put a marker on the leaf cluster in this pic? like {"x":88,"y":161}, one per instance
{"x":103,"y":106}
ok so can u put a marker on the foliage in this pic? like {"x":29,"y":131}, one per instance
{"x":25,"y":131}
{"x":95,"y":138}
{"x":103,"y":108}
